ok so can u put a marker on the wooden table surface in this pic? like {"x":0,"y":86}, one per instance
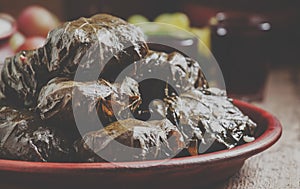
{"x":279,"y":166}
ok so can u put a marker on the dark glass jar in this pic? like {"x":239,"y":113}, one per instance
{"x":240,"y":45}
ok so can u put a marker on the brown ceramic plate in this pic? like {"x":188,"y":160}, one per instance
{"x":184,"y":173}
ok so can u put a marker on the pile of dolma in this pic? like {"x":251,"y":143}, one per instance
{"x":150,"y":105}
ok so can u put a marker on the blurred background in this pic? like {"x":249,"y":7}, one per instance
{"x":247,"y":37}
